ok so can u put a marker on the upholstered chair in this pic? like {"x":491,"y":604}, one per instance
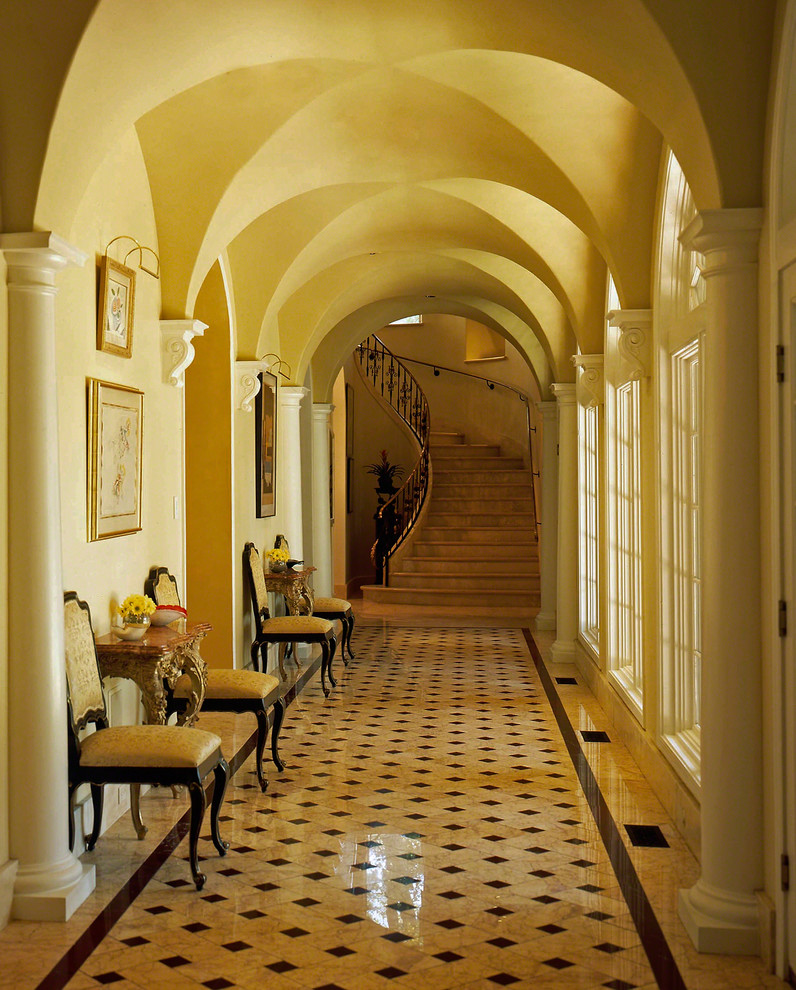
{"x":337,"y":610}
{"x":227,"y":690}
{"x":284,"y":628}
{"x":333,"y":609}
{"x":132,"y":754}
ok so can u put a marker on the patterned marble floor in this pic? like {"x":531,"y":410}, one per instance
{"x":429,"y":831}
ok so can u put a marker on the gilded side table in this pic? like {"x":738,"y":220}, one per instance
{"x":161,"y":657}
{"x":294,"y":585}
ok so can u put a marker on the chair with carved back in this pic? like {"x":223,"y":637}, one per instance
{"x":227,"y":690}
{"x":286,"y":629}
{"x":331,"y":608}
{"x":132,"y":754}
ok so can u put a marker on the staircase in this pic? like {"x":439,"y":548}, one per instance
{"x":476,"y":547}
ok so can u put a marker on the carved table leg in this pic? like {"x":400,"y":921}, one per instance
{"x":191,"y":664}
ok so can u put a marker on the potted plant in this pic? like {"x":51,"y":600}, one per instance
{"x":386,"y":473}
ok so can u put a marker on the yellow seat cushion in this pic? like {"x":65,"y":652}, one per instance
{"x":229,"y":684}
{"x":297,"y":625}
{"x":332,"y":605}
{"x":148,"y":746}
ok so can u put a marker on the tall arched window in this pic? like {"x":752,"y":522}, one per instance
{"x":680,"y":293}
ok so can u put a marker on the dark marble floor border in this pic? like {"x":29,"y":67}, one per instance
{"x":652,"y":938}
{"x":69,"y":964}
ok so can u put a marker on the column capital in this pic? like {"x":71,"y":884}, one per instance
{"x":591,"y":381}
{"x":548,"y":408}
{"x":321,"y":411}
{"x":633,"y":343}
{"x":36,"y":256}
{"x":727,"y":238}
{"x":291,"y":395}
{"x":564,"y":393}
{"x":176,"y":348}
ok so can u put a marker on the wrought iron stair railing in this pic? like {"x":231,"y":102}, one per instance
{"x":397,"y":386}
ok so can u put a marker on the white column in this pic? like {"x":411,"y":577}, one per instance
{"x":51,"y":883}
{"x":548,"y":549}
{"x":321,"y":526}
{"x":720,"y":911}
{"x":563,"y":649}
{"x":288,"y":469}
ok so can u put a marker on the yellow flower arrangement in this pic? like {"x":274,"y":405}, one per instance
{"x":136,"y":608}
{"x":277,"y":555}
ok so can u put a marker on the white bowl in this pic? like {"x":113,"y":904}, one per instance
{"x":133,"y":632}
{"x":164,"y":614}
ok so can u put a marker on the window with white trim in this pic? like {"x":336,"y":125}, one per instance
{"x":680,"y":295}
{"x":683,"y":703}
{"x":626,"y":654}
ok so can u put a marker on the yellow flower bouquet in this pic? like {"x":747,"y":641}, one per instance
{"x":277,"y":558}
{"x":136,"y":609}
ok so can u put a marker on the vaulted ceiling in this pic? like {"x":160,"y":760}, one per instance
{"x":348,"y":161}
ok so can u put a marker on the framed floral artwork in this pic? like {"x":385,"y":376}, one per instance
{"x":115,"y":445}
{"x":116,"y":308}
{"x":265,"y":445}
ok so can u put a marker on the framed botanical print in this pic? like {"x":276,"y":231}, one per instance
{"x":115,"y":446}
{"x":265,"y":445}
{"x":116,"y":308}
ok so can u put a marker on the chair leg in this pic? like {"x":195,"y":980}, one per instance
{"x":262,"y":734}
{"x":198,"y":805}
{"x":97,"y":800}
{"x":324,"y":663}
{"x":350,"y":634}
{"x":221,"y":774}
{"x":332,"y":651}
{"x":135,"y":810}
{"x":279,"y":716}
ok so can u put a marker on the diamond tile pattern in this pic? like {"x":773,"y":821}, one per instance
{"x":395,"y":849}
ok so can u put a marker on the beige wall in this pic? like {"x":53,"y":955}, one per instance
{"x":115,"y":202}
{"x":104,"y":572}
{"x":457,"y":402}
{"x":248,"y":528}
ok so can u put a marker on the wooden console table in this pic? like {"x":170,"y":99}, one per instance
{"x":294,"y":585}
{"x":163,"y":655}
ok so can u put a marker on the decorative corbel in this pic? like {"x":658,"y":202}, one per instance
{"x":247,"y":383}
{"x":634,"y":342}
{"x":177,"y":350}
{"x":591,"y":381}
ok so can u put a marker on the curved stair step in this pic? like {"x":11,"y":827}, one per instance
{"x":467,"y":582}
{"x":528,"y":565}
{"x":456,"y":598}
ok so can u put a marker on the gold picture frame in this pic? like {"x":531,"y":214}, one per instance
{"x":115,"y":447}
{"x":116,"y":308}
